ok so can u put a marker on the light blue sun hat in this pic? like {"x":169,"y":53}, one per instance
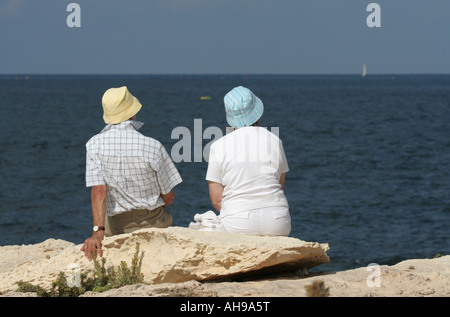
{"x":242,"y":107}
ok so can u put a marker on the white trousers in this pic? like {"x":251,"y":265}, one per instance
{"x":269,"y":221}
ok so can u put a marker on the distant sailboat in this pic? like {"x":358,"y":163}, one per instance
{"x":364,"y":71}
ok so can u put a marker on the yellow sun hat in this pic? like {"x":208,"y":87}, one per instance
{"x":119,"y":105}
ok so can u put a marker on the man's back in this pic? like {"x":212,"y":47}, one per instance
{"x":135,"y":168}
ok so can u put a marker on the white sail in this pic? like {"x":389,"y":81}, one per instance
{"x":364,"y":71}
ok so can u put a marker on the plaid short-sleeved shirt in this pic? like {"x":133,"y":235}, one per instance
{"x":136,"y":169}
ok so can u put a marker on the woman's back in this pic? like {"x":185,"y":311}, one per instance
{"x":248,"y":163}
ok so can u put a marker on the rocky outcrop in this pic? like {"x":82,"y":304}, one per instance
{"x":178,"y":261}
{"x":172,"y":255}
{"x":410,"y":278}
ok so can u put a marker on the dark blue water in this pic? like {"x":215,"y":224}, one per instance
{"x":369,"y":157}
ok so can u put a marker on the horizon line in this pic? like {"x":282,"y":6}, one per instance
{"x":218,"y":74}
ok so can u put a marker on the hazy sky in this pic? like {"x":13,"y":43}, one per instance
{"x":224,"y":36}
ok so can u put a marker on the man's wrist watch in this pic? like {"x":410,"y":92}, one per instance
{"x":97,"y":228}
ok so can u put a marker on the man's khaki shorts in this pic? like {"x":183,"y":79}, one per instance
{"x":137,"y":219}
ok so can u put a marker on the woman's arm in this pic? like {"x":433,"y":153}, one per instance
{"x":216,"y":194}
{"x":282,"y":180}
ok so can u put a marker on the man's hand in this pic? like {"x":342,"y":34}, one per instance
{"x":92,"y":245}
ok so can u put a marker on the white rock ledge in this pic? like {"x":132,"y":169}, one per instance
{"x":173,"y":255}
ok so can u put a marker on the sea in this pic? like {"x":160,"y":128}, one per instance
{"x":369,"y":157}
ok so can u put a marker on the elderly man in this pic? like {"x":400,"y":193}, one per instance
{"x":131,"y":175}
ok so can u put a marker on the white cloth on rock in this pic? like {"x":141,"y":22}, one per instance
{"x":207,"y":221}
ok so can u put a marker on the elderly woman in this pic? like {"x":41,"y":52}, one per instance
{"x":246,"y":171}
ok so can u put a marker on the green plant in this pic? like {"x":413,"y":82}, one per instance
{"x":25,"y":287}
{"x":59,"y":287}
{"x":112,"y":278}
{"x":103,"y":279}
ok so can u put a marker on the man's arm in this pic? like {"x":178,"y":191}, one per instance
{"x":98,"y":200}
{"x":168,"y":198}
{"x":216,"y":194}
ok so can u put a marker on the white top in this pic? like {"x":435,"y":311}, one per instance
{"x":135,"y":168}
{"x":248,"y":163}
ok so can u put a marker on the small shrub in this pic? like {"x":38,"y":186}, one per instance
{"x":25,"y":287}
{"x":112,"y":278}
{"x":104,"y":279}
